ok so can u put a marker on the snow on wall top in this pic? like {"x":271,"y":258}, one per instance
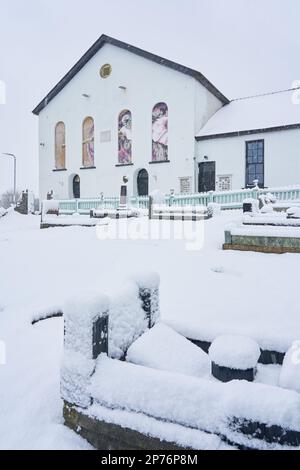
{"x":261,"y":112}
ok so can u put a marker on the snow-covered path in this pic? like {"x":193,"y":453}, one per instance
{"x":203,"y":293}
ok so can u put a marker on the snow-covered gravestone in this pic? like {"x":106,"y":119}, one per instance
{"x":234,"y":358}
{"x":290,"y":372}
{"x":86,"y":337}
{"x":250,"y":206}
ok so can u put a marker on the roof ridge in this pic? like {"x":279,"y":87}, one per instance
{"x":270,"y":93}
{"x":104,"y":39}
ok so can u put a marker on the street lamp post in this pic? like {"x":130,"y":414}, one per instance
{"x":15,"y":175}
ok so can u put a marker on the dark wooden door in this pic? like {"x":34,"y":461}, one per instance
{"x":143,"y":183}
{"x":207,"y":177}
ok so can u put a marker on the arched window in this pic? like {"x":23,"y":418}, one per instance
{"x":160,"y":128}
{"x":125,"y":137}
{"x":60,"y":146}
{"x":88,"y":154}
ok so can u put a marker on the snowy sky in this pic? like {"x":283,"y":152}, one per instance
{"x":242,"y":46}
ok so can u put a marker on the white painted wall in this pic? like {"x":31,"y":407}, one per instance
{"x":147,"y":83}
{"x":282,"y":157}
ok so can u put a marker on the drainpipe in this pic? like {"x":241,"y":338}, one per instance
{"x":195,"y":175}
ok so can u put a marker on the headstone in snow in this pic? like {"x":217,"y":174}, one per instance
{"x":123,"y":198}
{"x":290,"y":372}
{"x":234,"y":358}
{"x":250,"y":205}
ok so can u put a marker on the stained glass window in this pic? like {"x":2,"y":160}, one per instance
{"x":60,"y":146}
{"x":160,"y":128}
{"x":125,"y":137}
{"x":88,"y":158}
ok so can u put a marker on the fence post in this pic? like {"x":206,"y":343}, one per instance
{"x":172,"y":198}
{"x":149,"y":294}
{"x":100,"y":335}
{"x":210,"y":197}
{"x":150,"y":207}
{"x":86,"y":337}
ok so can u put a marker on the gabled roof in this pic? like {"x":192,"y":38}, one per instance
{"x":135,"y":50}
{"x":271,"y":112}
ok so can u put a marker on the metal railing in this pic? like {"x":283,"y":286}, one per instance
{"x":227,"y":200}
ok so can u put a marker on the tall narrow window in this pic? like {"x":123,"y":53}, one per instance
{"x":125,"y":137}
{"x":160,"y":128}
{"x":60,"y":146}
{"x":255,"y":163}
{"x":88,"y":154}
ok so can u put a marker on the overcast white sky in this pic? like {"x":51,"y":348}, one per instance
{"x":242,"y":46}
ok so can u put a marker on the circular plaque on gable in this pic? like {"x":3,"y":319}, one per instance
{"x":105,"y":71}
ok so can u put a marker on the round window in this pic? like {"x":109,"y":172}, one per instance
{"x":105,"y":70}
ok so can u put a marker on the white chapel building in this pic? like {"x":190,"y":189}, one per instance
{"x":122,"y":111}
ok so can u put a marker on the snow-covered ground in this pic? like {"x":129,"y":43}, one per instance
{"x":204,"y":293}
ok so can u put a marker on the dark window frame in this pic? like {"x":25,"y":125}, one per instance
{"x":247,"y":164}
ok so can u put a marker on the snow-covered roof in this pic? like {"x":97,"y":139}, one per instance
{"x":261,"y":113}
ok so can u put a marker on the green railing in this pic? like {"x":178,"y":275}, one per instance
{"x":227,"y":200}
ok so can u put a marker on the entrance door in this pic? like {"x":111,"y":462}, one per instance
{"x":207,"y":177}
{"x":143,"y":183}
{"x":76,"y":187}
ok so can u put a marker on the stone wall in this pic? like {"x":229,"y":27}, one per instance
{"x":107,"y":436}
{"x":261,"y":244}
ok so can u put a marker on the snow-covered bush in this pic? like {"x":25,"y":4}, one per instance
{"x":7,"y":199}
{"x":267,"y":199}
{"x":214,"y":209}
{"x":3,"y":212}
{"x":290,"y":372}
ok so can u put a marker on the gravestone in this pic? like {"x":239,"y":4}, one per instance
{"x":247,"y":207}
{"x":123,"y":199}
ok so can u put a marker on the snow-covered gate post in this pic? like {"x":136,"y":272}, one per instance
{"x":86,"y":337}
{"x":149,"y":294}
